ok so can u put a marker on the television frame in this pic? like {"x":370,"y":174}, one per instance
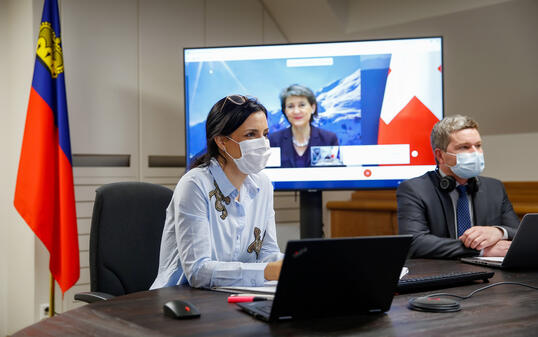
{"x":311,"y":191}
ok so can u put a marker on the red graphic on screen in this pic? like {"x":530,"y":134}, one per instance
{"x":412,"y":126}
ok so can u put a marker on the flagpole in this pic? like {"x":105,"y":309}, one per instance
{"x":51,"y":298}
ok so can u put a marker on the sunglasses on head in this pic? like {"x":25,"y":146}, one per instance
{"x":235,"y":99}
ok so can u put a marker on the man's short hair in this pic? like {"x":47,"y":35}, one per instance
{"x":440,"y":136}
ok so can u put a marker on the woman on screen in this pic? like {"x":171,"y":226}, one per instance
{"x":299,"y":107}
{"x":220,"y":225}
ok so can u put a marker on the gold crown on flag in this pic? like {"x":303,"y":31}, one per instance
{"x":49,"y":50}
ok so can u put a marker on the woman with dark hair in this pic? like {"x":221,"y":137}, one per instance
{"x":220,"y":225}
{"x":299,"y":107}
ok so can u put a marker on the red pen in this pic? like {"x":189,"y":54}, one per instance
{"x":238,"y":299}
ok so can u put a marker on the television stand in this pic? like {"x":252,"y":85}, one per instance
{"x":311,"y":214}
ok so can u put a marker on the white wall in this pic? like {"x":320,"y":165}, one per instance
{"x":4,"y":201}
{"x":511,"y":157}
{"x":17,"y":271}
{"x":489,"y":62}
{"x":100,"y":40}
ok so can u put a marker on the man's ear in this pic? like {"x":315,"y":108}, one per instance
{"x":438,"y":153}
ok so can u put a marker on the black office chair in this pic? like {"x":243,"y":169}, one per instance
{"x":125,"y":238}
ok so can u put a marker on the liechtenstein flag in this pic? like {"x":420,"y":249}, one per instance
{"x":44,"y":195}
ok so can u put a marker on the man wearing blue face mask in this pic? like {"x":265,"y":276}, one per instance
{"x":453,"y":212}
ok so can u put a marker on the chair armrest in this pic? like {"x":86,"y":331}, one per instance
{"x":93,"y":296}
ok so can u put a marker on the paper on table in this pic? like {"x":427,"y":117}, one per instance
{"x":266,"y":296}
{"x":267,"y":289}
{"x":491,"y":258}
{"x":270,"y":286}
{"x":404,"y":272}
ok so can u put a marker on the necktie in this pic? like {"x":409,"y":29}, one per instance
{"x":462,"y":210}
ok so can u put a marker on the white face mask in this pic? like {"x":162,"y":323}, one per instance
{"x":254,"y":155}
{"x":468,"y":164}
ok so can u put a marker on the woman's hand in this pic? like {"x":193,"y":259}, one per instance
{"x":272,"y":270}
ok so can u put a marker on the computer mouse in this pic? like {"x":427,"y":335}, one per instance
{"x":180,"y":309}
{"x":433,"y":304}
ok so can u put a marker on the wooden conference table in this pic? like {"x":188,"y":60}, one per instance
{"x":505,"y":310}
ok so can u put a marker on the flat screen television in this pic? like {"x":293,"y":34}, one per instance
{"x":380,"y":97}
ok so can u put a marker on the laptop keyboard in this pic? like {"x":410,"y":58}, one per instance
{"x":410,"y":285}
{"x":264,"y":306}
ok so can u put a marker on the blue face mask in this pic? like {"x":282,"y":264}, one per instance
{"x":468,"y":164}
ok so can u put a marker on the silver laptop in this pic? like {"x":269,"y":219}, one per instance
{"x":523,"y":252}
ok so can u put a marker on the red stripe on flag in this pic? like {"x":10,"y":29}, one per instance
{"x":36,"y":181}
{"x":66,"y":261}
{"x":44,"y":194}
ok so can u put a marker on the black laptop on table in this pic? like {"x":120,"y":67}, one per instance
{"x":523,"y":251}
{"x":338,"y":276}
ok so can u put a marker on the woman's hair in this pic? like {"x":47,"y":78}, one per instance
{"x":223,"y":119}
{"x":301,"y":91}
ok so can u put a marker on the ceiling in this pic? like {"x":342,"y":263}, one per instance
{"x":334,"y":19}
